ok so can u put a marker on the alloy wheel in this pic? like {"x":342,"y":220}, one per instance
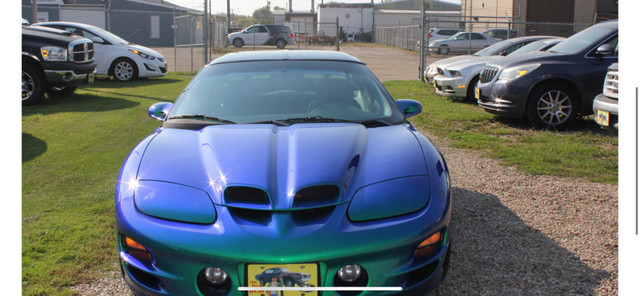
{"x":123,"y":71}
{"x":554,"y":107}
{"x":28,"y":86}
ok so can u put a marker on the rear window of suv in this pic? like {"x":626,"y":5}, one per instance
{"x":582,"y":40}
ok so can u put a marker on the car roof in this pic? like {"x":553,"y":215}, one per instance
{"x":80,"y":25}
{"x":281,"y":55}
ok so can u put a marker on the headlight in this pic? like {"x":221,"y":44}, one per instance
{"x":53,"y":53}
{"x":390,"y":198}
{"x":143,"y":54}
{"x":515,"y":72}
{"x":454,"y":73}
{"x":174,"y":202}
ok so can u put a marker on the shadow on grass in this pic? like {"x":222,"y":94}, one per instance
{"x":104,"y":81}
{"x":32,"y":147}
{"x":580,"y":125}
{"x":78,"y":103}
{"x":494,"y":252}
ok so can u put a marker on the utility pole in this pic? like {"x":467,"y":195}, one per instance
{"x":422,"y":45}
{"x":228,"y":15}
{"x":34,"y":10}
{"x":205,"y":31}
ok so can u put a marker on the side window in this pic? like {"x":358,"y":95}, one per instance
{"x":462,"y":37}
{"x":476,"y":36}
{"x":513,"y":48}
{"x":87,"y":34}
{"x":250,"y":29}
{"x":262,"y":29}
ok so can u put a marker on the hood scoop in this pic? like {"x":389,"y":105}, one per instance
{"x":247,"y":197}
{"x":316,"y":196}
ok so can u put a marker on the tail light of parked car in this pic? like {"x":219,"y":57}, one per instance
{"x":290,"y":35}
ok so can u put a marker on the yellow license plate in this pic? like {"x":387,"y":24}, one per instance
{"x":91,"y":77}
{"x":434,"y":82}
{"x":602,"y":118}
{"x":282,"y":275}
{"x":477,"y":93}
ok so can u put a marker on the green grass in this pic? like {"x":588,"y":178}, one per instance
{"x":582,"y":151}
{"x":73,"y":148}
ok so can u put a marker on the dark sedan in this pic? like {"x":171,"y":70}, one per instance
{"x":551,"y":88}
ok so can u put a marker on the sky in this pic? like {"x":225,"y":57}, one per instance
{"x":246,"y":7}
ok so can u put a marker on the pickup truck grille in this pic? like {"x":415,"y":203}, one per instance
{"x":81,"y":51}
{"x":488,"y":73}
{"x":610,"y":88}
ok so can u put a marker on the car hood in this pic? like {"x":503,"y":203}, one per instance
{"x":528,"y":58}
{"x":451,"y":60}
{"x":475,"y":61}
{"x":281,"y":160}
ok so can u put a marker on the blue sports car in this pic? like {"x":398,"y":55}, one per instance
{"x":297,"y":160}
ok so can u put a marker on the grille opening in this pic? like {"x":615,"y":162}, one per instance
{"x":248,"y":196}
{"x":146,"y":279}
{"x":253,"y":216}
{"x":312,"y":216}
{"x":316,"y":196}
{"x":422,"y":273}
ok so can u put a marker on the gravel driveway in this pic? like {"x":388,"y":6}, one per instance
{"x":512,"y":233}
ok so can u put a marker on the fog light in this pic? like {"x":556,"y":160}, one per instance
{"x":215,"y":276}
{"x":429,"y":246}
{"x":350,"y":273}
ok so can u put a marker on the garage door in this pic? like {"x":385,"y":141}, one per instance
{"x":87,"y":15}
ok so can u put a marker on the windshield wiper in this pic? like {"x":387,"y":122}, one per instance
{"x":201,"y":116}
{"x":290,"y":121}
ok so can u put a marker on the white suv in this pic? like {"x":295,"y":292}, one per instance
{"x":278,"y":35}
{"x":115,"y":56}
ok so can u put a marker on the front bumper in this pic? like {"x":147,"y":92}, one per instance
{"x":66,"y":73}
{"x":504,"y":97}
{"x":384,"y":248}
{"x":450,"y":86}
{"x":610,"y":107}
{"x":152,"y":68}
{"x":430,"y":73}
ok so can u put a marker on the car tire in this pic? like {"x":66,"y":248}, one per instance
{"x":471,"y":88}
{"x":238,"y":42}
{"x":33,"y":84}
{"x":280,"y":43}
{"x":552,"y":106}
{"x":443,"y":49}
{"x":61,"y":90}
{"x":124,"y":69}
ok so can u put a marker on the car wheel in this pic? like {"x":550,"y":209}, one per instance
{"x":33,"y":84}
{"x":552,"y":105}
{"x":471,"y":88}
{"x":280,"y":43}
{"x":124,"y":69}
{"x":443,"y":49}
{"x":61,"y":90}
{"x":238,"y":42}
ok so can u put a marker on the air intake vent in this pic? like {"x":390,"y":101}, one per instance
{"x":316,"y":196}
{"x":246,"y":197}
{"x":488,"y":73}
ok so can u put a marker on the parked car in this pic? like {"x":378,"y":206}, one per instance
{"x":278,"y":35}
{"x":540,"y":45}
{"x":289,"y":279}
{"x":439,"y":34}
{"x":350,"y":37}
{"x":501,"y":33}
{"x":55,"y":62}
{"x":287,"y":158}
{"x":460,"y":43}
{"x":500,"y":48}
{"x":459,"y":79}
{"x":605,"y":105}
{"x":115,"y":56}
{"x":551,"y":88}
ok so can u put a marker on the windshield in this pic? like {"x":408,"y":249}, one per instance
{"x":110,"y":36}
{"x":533,"y":46}
{"x":493,"y":49}
{"x":581,"y":41}
{"x":301,"y":91}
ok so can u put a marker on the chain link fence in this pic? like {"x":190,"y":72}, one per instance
{"x":408,"y":37}
{"x":176,"y":34}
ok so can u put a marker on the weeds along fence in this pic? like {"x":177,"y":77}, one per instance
{"x":180,"y":36}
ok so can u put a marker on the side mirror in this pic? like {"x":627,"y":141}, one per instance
{"x":409,"y":107}
{"x":159,"y":111}
{"x":97,"y":39}
{"x":605,"y":49}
